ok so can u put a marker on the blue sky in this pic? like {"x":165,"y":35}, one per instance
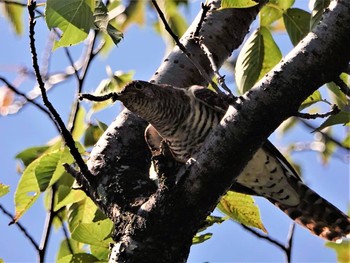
{"x":230,"y":243}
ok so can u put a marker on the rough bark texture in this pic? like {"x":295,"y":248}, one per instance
{"x":161,"y":229}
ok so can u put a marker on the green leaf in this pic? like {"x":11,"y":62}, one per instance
{"x":66,"y":196}
{"x":273,"y":10}
{"x":64,"y":248}
{"x":258,"y":56}
{"x":241,"y":208}
{"x":297,"y":22}
{"x":342,"y":117}
{"x":4,"y":189}
{"x":342,"y":250}
{"x":92,"y":134}
{"x":317,"y":12}
{"x":337,"y":95}
{"x":134,"y":13}
{"x":346,"y":141}
{"x":312,"y":99}
{"x":197,"y":239}
{"x":269,"y":14}
{"x":115,"y":83}
{"x":27,"y":191}
{"x":38,"y":176}
{"x":81,"y":212}
{"x":74,"y":18}
{"x":211,"y":220}
{"x":272,"y":53}
{"x":238,"y":3}
{"x":249,"y":62}
{"x":101,"y":253}
{"x":30,"y":154}
{"x":79,"y":257}
{"x":101,"y":21}
{"x":80,"y":125}
{"x":14,"y":14}
{"x":97,"y":233}
{"x":50,"y":168}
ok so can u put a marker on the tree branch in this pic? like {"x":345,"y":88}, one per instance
{"x":22,"y":228}
{"x":57,"y":119}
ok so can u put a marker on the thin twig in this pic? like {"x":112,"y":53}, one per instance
{"x":325,"y":135}
{"x":335,"y":110}
{"x":342,"y":86}
{"x":65,"y":233}
{"x":289,"y":244}
{"x":24,"y":231}
{"x":89,"y":56}
{"x":205,"y":9}
{"x":11,"y":87}
{"x":286,"y":248}
{"x":183,"y":48}
{"x":12,"y":3}
{"x":221,"y":79}
{"x":47,"y":228}
{"x":111,"y":95}
{"x":62,"y":128}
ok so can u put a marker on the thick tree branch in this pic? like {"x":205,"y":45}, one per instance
{"x":178,"y":211}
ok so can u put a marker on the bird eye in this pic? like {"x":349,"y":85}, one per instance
{"x":138,"y":85}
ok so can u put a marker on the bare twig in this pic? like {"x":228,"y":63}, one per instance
{"x":88,"y":57}
{"x":289,"y":245}
{"x":12,"y":3}
{"x":221,"y":79}
{"x":286,"y":248}
{"x":335,"y":110}
{"x":325,"y":135}
{"x":11,"y":87}
{"x":205,"y":9}
{"x":183,"y":48}
{"x":24,"y":231}
{"x":65,"y":232}
{"x":342,"y":86}
{"x":47,"y":228}
{"x":62,"y":128}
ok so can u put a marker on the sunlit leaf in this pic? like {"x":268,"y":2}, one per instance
{"x":297,"y":22}
{"x":337,"y":95}
{"x":101,"y":253}
{"x":66,"y":196}
{"x":74,"y":18}
{"x":249,"y":62}
{"x":241,"y":208}
{"x":80,"y":257}
{"x":81,"y":212}
{"x":101,"y":21}
{"x":200,"y":238}
{"x":273,"y":10}
{"x":238,"y":3}
{"x":342,"y":250}
{"x":258,"y":56}
{"x":312,"y":99}
{"x":80,"y":125}
{"x":14,"y":14}
{"x":346,"y":141}
{"x":4,"y":189}
{"x":64,"y":249}
{"x":96,"y":233}
{"x":342,"y":117}
{"x":211,"y":220}
{"x":30,"y":154}
{"x":113,"y":84}
{"x":317,"y":12}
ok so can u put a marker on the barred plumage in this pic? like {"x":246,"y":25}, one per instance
{"x":185,"y":117}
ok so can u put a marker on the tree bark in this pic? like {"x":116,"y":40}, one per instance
{"x":156,"y":224}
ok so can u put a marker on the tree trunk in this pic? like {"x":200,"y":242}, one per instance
{"x":157,"y":223}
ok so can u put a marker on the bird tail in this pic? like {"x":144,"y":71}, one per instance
{"x":317,"y":214}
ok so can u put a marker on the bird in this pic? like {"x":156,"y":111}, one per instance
{"x":184,"y":117}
